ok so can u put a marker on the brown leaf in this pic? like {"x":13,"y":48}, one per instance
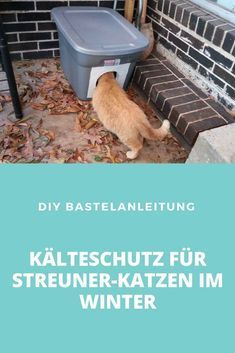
{"x":38,"y":106}
{"x":25,"y":118}
{"x":72,"y":109}
{"x":38,"y":74}
{"x":51,"y":105}
{"x":83,"y":116}
{"x":7,"y":98}
{"x":109,"y":154}
{"x":49,"y":134}
{"x":77,"y":125}
{"x":90,"y":124}
{"x":93,"y":139}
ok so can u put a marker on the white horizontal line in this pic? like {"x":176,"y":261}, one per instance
{"x":196,"y":121}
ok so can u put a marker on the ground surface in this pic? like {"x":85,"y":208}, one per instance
{"x":59,"y":128}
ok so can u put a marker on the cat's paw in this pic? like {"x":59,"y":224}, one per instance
{"x":165,"y":128}
{"x":166,"y":125}
{"x":131,"y":154}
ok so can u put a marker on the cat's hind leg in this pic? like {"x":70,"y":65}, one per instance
{"x":135,"y":144}
{"x":132,"y":154}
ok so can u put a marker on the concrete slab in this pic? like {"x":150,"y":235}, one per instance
{"x":3,"y":81}
{"x":67,"y":137}
{"x":214,"y":146}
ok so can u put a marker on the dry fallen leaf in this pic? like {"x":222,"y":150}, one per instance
{"x":77,"y":125}
{"x":6,"y":98}
{"x":90,"y":124}
{"x":49,"y":134}
{"x":38,"y":106}
{"x":109,"y":154}
{"x":93,"y":139}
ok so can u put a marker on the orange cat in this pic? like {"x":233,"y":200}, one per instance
{"x":123,"y":117}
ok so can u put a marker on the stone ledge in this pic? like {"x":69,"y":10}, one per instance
{"x":188,"y":109}
{"x":214,"y":146}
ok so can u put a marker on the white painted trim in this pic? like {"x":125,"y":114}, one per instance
{"x":216,"y":9}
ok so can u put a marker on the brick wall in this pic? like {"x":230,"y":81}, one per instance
{"x":29,"y":29}
{"x":198,"y":43}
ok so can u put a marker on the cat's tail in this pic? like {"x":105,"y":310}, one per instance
{"x":154,"y":134}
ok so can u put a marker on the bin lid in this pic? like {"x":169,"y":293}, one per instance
{"x":98,"y":30}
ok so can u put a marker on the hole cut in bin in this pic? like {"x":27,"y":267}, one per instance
{"x":112,"y":72}
{"x":96,"y":72}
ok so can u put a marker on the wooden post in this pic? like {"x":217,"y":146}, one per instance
{"x":129,"y":10}
{"x":144,"y":12}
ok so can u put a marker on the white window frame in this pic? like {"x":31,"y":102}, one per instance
{"x":216,"y":9}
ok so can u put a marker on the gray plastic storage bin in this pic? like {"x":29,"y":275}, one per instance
{"x":95,"y":40}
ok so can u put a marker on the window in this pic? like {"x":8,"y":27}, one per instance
{"x":222,"y":8}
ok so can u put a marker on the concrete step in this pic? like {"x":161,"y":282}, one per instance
{"x":214,"y":146}
{"x":3,"y":81}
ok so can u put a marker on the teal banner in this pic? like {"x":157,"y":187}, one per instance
{"x":117,"y":258}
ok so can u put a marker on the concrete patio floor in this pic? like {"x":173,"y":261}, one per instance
{"x":59,"y":128}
